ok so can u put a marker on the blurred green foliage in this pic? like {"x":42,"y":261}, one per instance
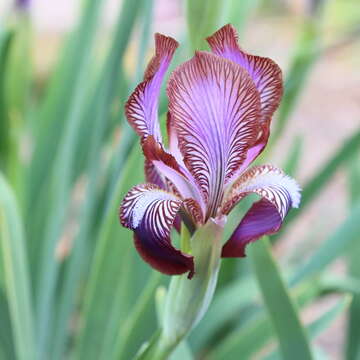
{"x":85,"y":294}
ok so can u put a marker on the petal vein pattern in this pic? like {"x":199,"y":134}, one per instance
{"x":265,"y":73}
{"x":278,"y":193}
{"x":270,"y":183}
{"x":214,"y":107}
{"x":142,"y":107}
{"x":150,"y":212}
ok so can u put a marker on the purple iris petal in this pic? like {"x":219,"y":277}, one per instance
{"x":214,"y":107}
{"x":279,"y":193}
{"x":262,"y":219}
{"x":153,"y":176}
{"x":150,"y":213}
{"x":167,"y":165}
{"x":142,"y":107}
{"x":265,"y":74}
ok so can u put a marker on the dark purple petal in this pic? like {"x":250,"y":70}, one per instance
{"x":215,"y":110}
{"x":266,"y":75}
{"x":262,"y":219}
{"x":142,"y":107}
{"x":279,"y":193}
{"x":150,"y":213}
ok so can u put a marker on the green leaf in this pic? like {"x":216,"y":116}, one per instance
{"x":258,"y":330}
{"x":353,"y":330}
{"x":322,"y":322}
{"x":113,"y":273}
{"x":5,"y":141}
{"x":182,"y":352}
{"x":102,"y":101}
{"x":332,"y":248}
{"x":7,"y":348}
{"x":238,"y":13}
{"x":227,"y":304}
{"x":203,"y":18}
{"x":15,"y":269}
{"x":56,"y":125}
{"x":293,"y":341}
{"x":325,"y":320}
{"x":60,"y":187}
{"x":292,"y":163}
{"x":305,"y":55}
{"x":314,"y":187}
{"x":127,"y":339}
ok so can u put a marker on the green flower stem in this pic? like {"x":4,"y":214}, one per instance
{"x":185,"y":241}
{"x":187,"y":300}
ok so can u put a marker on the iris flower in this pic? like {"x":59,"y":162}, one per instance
{"x":218,"y":122}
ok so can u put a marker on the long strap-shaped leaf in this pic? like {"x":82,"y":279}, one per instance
{"x":321,"y":179}
{"x":16,"y":273}
{"x":257,"y":331}
{"x":332,"y":248}
{"x":102,"y":101}
{"x":321,"y":323}
{"x":112,"y":274}
{"x":60,"y":187}
{"x":293,"y":341}
{"x":353,"y":329}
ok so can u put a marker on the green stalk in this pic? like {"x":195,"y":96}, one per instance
{"x":187,"y":300}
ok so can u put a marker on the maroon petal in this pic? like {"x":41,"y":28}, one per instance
{"x":265,"y":73}
{"x":142,"y":107}
{"x":279,"y":193}
{"x":150,"y":213}
{"x":214,"y":108}
{"x":262,"y":219}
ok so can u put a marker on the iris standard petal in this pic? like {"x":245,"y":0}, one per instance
{"x":142,"y":107}
{"x":279,"y":193}
{"x":215,"y":110}
{"x":266,"y":75}
{"x":150,"y":213}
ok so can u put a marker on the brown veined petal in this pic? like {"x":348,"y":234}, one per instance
{"x":173,"y":140}
{"x":150,"y":213}
{"x":142,"y":107}
{"x":215,"y":110}
{"x":167,"y":165}
{"x":152,"y":176}
{"x":266,"y":75}
{"x":278,"y":194}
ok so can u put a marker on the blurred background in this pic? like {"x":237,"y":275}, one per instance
{"x":72,"y":285}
